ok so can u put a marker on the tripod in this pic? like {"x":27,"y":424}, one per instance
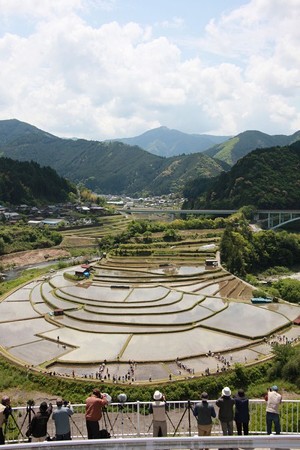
{"x":170,"y":420}
{"x":29,"y":412}
{"x":121,"y":408}
{"x":15,"y":425}
{"x":107,"y":419}
{"x":189,"y":409}
{"x":76,"y":426}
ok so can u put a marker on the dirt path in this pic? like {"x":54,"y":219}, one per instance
{"x":19,"y":259}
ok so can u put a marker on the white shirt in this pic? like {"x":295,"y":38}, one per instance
{"x":274,"y":400}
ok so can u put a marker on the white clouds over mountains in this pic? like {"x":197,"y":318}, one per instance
{"x":74,"y":68}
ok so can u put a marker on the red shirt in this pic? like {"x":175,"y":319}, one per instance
{"x":93,"y":408}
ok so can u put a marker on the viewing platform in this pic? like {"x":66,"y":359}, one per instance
{"x":130,"y":427}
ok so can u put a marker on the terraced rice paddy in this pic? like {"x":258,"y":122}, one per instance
{"x":156,"y":304}
{"x":159,"y":313}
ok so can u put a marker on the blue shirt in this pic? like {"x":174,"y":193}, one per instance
{"x":61,"y":417}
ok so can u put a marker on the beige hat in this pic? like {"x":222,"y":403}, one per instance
{"x":157,"y":395}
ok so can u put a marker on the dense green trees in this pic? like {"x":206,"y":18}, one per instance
{"x":287,"y":288}
{"x":286,"y":363}
{"x":15,"y":238}
{"x":265,"y":178}
{"x":243,"y":251}
{"x":27,"y":182}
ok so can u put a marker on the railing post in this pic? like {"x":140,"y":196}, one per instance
{"x":138,"y":419}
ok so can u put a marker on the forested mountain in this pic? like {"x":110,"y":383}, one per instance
{"x":265,"y":178}
{"x":163,"y":141}
{"x":104,"y":167}
{"x":237,"y":147}
{"x":27,"y":182}
{"x":113,"y":167}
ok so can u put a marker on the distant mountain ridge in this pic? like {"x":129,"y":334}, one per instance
{"x":163,"y":141}
{"x":105,"y":167}
{"x":112,"y":167}
{"x":240,"y":145}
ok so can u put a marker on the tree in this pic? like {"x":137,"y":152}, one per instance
{"x":171,"y":235}
{"x":289,"y":289}
{"x":2,"y":246}
{"x":291,"y":370}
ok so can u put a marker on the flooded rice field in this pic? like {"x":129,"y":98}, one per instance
{"x":176,"y":322}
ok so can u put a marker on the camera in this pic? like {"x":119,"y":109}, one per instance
{"x":107,"y":397}
{"x":30,"y":402}
{"x":66,"y":403}
{"x":122,"y":398}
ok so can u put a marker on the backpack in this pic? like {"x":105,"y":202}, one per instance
{"x":104,"y":434}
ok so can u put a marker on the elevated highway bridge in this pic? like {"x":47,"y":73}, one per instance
{"x":271,"y":218}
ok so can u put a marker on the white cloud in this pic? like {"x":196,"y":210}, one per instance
{"x":112,"y":80}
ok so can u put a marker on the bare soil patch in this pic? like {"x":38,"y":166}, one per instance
{"x":20,"y":397}
{"x":29,"y":257}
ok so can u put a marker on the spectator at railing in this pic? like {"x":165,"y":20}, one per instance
{"x":61,"y":417}
{"x":273,"y":399}
{"x":242,"y":415}
{"x":93,"y":413}
{"x":37,"y":429}
{"x":5,"y":411}
{"x":204,"y":412}
{"x":158,"y":409}
{"x":226,"y":404}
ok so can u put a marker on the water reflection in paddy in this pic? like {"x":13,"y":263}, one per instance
{"x":19,"y":295}
{"x":93,"y":347}
{"x":172,"y":345}
{"x":39,"y":351}
{"x":118,"y":273}
{"x":100,"y":293}
{"x":213,"y":303}
{"x":290,"y":311}
{"x":246,"y":320}
{"x":173,"y":317}
{"x":13,"y":311}
{"x":179,"y":270}
{"x":140,"y":307}
{"x":162,"y":328}
{"x":169,"y":299}
{"x":23,"y":331}
{"x":111,"y":328}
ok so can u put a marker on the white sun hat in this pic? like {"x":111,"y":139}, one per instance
{"x":226,"y":391}
{"x":157,"y":395}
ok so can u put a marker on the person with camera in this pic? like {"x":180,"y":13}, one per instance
{"x":37,"y":429}
{"x":226,"y":406}
{"x":61,"y":416}
{"x":158,"y":408}
{"x":5,"y":411}
{"x":273,"y":399}
{"x":204,"y":413}
{"x":93,"y":412}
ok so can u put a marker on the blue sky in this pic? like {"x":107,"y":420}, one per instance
{"x":101,"y":69}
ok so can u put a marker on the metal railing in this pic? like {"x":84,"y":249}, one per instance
{"x":187,"y":443}
{"x":132,"y":420}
